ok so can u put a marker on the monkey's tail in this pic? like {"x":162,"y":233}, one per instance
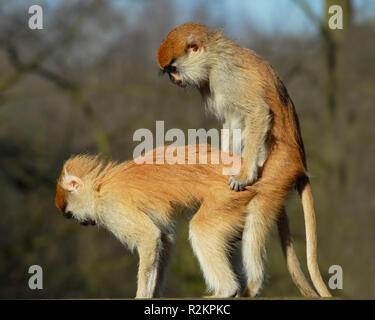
{"x":304,"y":189}
{"x":292,"y":262}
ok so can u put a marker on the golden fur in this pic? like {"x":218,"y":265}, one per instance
{"x":133,"y":200}
{"x":140,"y":204}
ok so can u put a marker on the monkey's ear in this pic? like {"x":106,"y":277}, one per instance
{"x":71,"y":183}
{"x":192,"y":47}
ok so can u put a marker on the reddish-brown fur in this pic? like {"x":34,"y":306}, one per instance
{"x":162,"y":185}
{"x":139,"y":203}
{"x":260,"y":89}
{"x":159,"y":190}
{"x":174,"y":44}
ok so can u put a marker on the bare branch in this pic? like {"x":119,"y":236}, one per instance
{"x":69,"y":86}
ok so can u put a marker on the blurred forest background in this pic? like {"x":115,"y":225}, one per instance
{"x":89,"y":79}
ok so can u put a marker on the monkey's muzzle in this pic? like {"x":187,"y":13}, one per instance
{"x":176,"y":79}
{"x":88,"y":222}
{"x":68,"y":215}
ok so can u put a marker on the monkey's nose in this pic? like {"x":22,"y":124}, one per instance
{"x":67,"y":215}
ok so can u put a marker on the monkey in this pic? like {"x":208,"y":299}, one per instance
{"x":244,"y":92}
{"x":141,"y":203}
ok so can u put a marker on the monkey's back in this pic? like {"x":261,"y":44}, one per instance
{"x":163,"y":186}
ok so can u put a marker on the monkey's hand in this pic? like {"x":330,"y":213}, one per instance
{"x":237,"y":183}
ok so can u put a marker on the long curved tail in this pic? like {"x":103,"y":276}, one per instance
{"x":304,"y":189}
{"x":292,"y":262}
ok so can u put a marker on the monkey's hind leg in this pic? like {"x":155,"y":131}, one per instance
{"x":150,"y":248}
{"x":210,"y":234}
{"x":254,"y":239}
{"x":168,"y":243}
{"x":237,"y":263}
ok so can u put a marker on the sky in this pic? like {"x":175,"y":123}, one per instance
{"x":267,"y":16}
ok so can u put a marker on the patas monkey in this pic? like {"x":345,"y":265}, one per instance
{"x":140,"y":203}
{"x":244,"y":91}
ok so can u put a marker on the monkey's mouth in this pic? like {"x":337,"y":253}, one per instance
{"x":88,"y":222}
{"x":177,"y":80}
{"x":181,"y":84}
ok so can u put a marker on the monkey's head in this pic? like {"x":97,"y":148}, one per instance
{"x":183,"y":54}
{"x":74,"y":191}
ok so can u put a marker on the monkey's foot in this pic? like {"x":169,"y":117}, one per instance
{"x":237,"y":184}
{"x":246,"y":293}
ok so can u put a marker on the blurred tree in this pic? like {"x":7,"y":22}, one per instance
{"x":72,"y":88}
{"x":94,"y":65}
{"x":332,"y":42}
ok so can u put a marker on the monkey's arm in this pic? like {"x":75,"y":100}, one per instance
{"x":254,"y":151}
{"x":227,"y":138}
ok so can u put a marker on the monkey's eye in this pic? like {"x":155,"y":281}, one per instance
{"x":173,"y":69}
{"x":170,"y":69}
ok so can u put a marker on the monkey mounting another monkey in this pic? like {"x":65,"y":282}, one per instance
{"x":140,"y":204}
{"x":243,"y":91}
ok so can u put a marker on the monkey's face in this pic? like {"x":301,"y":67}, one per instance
{"x":183,"y":55}
{"x":191,"y":68}
{"x":73,"y":199}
